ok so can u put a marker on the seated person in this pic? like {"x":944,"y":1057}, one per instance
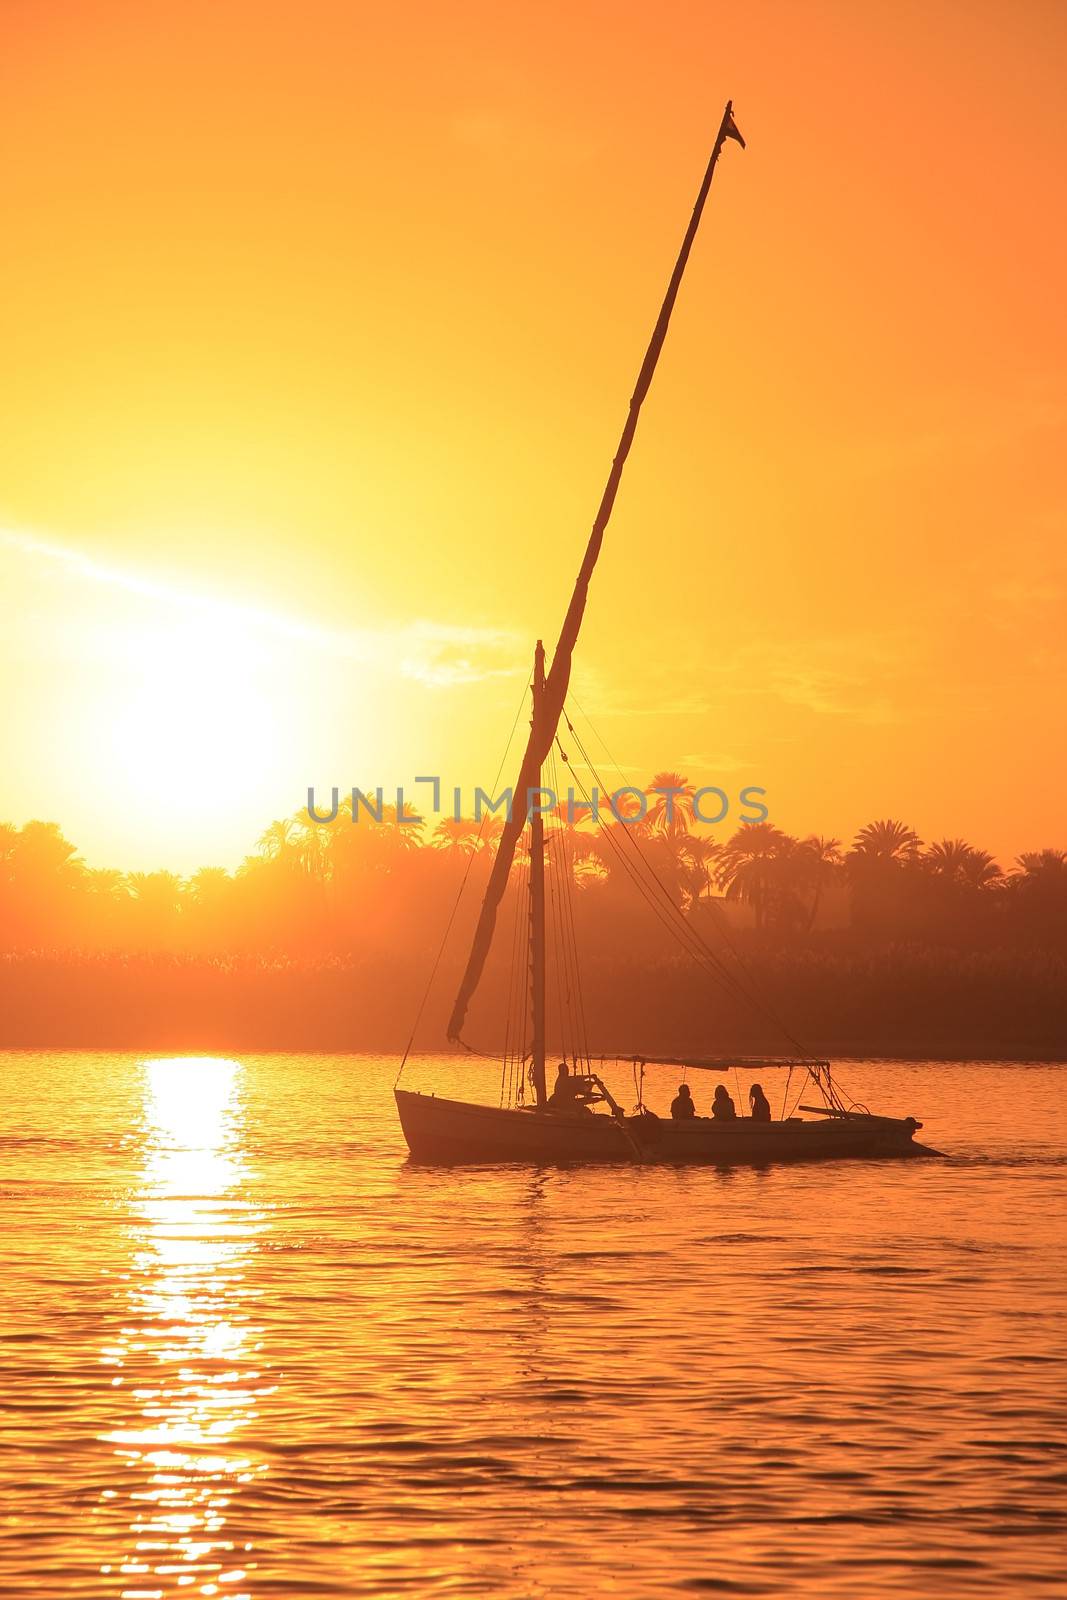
{"x":682,"y":1104}
{"x":568,"y":1094}
{"x":722,"y":1106}
{"x":760,"y":1105}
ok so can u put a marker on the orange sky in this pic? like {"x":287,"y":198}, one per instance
{"x":319,"y":323}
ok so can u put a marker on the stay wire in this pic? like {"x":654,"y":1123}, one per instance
{"x":459,"y":897}
{"x":680,"y":930}
{"x":570,"y":896}
{"x":568,"y":941}
{"x":744,"y":989}
{"x":509,"y":1017}
{"x":691,"y":933}
{"x":830,"y":1089}
{"x":559,"y":954}
{"x":600,"y":739}
{"x":564,"y":961}
{"x":556,"y":954}
{"x":520,"y":1013}
{"x":682,"y":935}
{"x":691,"y":940}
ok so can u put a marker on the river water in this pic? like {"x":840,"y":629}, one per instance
{"x":248,"y":1350}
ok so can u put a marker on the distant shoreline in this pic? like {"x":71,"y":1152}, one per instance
{"x":216,"y":1047}
{"x":896,"y":1004}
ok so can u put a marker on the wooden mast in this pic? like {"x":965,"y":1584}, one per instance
{"x":554,"y":689}
{"x":537,"y":898}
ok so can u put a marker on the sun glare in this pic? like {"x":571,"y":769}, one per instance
{"x":191,"y":729}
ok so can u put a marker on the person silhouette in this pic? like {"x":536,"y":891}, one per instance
{"x":722,"y":1106}
{"x":760,"y":1106}
{"x":569,"y":1093}
{"x":682,"y":1105}
{"x":564,"y":1089}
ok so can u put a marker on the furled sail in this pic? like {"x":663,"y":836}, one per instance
{"x":544,"y":729}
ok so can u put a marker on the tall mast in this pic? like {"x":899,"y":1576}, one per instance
{"x":554,"y":687}
{"x":537,"y":900}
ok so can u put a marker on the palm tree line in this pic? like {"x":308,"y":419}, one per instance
{"x":309,"y":884}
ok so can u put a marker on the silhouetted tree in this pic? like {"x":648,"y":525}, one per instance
{"x":747,"y":868}
{"x":456,"y":835}
{"x":670,"y":812}
{"x":353,"y":888}
{"x":824,"y":864}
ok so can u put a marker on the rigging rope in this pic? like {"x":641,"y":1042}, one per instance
{"x":558,"y":953}
{"x":459,"y":895}
{"x":572,"y":999}
{"x":509,"y":1014}
{"x":685,"y":929}
{"x":682,"y":931}
{"x":581,"y":1018}
{"x":674,"y":919}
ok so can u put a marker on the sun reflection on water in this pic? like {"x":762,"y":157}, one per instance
{"x":188,"y":1360}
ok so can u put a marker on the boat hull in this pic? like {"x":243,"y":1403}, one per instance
{"x":446,"y":1132}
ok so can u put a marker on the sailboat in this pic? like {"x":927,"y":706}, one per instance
{"x":582,"y":1121}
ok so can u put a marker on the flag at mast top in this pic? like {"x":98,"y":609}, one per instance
{"x":730,"y":130}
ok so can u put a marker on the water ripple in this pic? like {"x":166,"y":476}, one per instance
{"x":249,"y":1351}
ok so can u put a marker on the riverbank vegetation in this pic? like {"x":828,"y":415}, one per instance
{"x":325,"y":935}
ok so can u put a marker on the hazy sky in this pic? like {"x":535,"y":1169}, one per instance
{"x":319,"y":324}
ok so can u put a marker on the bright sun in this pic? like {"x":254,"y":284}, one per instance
{"x":162,"y":727}
{"x":191,"y":728}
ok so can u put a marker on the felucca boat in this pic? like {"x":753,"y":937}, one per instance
{"x":587,"y":1124}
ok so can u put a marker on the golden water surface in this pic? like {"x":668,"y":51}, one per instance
{"x":248,"y":1350}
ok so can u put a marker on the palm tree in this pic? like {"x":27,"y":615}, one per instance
{"x":42,"y":852}
{"x":886,"y":841}
{"x":405,"y":825}
{"x":667,"y":855}
{"x":626,"y":810}
{"x":208,"y":885}
{"x":106,"y":884}
{"x":209,"y":899}
{"x":982,"y":870}
{"x":746,"y":866}
{"x":1045,"y":866}
{"x":1038,"y":892}
{"x":824,"y":862}
{"x":575,"y":845}
{"x":957,"y":862}
{"x":278,"y":842}
{"x":699,"y":852}
{"x":459,"y":836}
{"x":490,"y":829}
{"x":1039,"y":882}
{"x":309,"y":846}
{"x":158,"y":897}
{"x":947,"y":858}
{"x":161,"y":890}
{"x":671,"y":812}
{"x":791,"y":877}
